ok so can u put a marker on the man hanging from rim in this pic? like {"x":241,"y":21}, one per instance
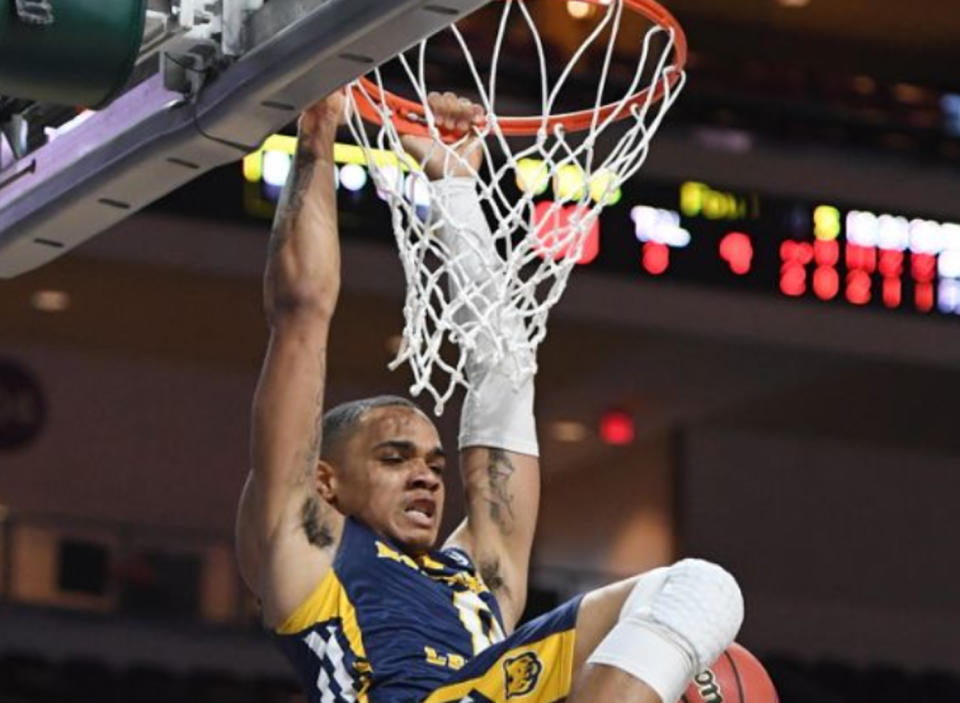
{"x":340,"y":514}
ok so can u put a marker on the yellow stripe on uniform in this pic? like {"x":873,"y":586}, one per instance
{"x":537,"y":672}
{"x":322,"y":604}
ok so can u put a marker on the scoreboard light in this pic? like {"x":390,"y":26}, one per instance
{"x":737,"y":250}
{"x":691,"y":231}
{"x":569,"y":183}
{"x":532,"y":176}
{"x":557,"y":238}
{"x":657,"y":225}
{"x":656,"y":258}
{"x":254,"y":163}
{"x":826,"y":223}
{"x":699,"y":199}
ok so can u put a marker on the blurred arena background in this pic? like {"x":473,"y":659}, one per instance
{"x":758,"y":362}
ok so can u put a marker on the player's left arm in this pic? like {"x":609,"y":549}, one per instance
{"x":503,"y":496}
{"x":498,"y":457}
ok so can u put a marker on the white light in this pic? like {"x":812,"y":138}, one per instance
{"x":579,"y":10}
{"x":893,"y":232}
{"x":926,"y":236}
{"x":389,"y":180}
{"x":353,"y":177}
{"x":276,"y":167}
{"x":948,"y":264}
{"x":661,"y":226}
{"x":951,"y":236}
{"x":416,"y":190}
{"x":862,"y":228}
{"x":50,"y":300}
{"x":948,"y":296}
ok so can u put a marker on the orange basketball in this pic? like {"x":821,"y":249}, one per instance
{"x":736,"y":677}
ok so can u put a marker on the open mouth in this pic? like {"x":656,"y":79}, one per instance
{"x":421,"y":511}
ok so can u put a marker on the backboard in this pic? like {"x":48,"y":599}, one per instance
{"x":212,"y":97}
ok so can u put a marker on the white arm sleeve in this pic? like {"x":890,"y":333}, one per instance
{"x":494,"y":413}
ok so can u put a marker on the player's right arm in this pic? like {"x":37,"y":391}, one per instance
{"x":286,"y":534}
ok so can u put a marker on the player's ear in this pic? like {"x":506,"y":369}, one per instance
{"x":326,"y":482}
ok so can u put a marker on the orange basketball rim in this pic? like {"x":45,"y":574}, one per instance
{"x":409,"y":115}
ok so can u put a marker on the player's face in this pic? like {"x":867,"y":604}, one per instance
{"x":396,"y":476}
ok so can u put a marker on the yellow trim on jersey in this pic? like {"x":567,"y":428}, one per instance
{"x":328,"y":600}
{"x":429,"y":563}
{"x":553,"y":682}
{"x":322,"y":604}
{"x":348,"y":618}
{"x":385,"y":552}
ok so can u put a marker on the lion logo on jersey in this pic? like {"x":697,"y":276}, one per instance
{"x":523,"y":673}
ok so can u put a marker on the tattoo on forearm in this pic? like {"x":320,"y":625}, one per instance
{"x":318,"y":532}
{"x":291,"y":201}
{"x":499,"y":471}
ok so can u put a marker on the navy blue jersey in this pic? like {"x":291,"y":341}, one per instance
{"x":385,"y":627}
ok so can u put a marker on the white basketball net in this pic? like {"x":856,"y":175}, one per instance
{"x":526,"y":265}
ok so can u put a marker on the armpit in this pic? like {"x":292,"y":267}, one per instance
{"x":317,"y":530}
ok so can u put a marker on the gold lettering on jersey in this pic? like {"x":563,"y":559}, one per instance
{"x":451,"y":661}
{"x":385,"y":552}
{"x":433,"y":657}
{"x":429,"y":563}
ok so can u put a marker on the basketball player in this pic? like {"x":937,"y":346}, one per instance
{"x":339,"y":517}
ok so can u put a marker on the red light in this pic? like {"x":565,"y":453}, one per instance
{"x":737,"y":251}
{"x":826,"y":282}
{"x":923,"y":267}
{"x":826,"y":252}
{"x":859,"y":257}
{"x":616,"y":427}
{"x":923,"y":297}
{"x":656,"y":257}
{"x":891,"y":292}
{"x":891,"y":263}
{"x":793,"y":279}
{"x":858,"y":287}
{"x":800,"y":252}
{"x":549,"y":225}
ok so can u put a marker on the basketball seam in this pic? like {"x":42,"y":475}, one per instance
{"x":736,"y":676}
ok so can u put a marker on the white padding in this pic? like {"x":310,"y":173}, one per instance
{"x":701,"y":602}
{"x":675,"y":623}
{"x":496,"y":411}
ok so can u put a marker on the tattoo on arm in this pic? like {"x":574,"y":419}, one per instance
{"x":291,"y":201}
{"x":499,"y":471}
{"x":318,"y":532}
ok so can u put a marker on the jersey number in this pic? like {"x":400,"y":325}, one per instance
{"x":477,"y":619}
